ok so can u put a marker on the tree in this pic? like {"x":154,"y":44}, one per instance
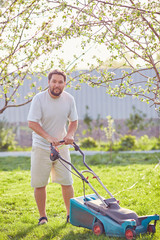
{"x":128,"y":30}
{"x":130,"y":33}
{"x":109,"y":132}
{"x":136,"y":121}
{"x":87,"y":120}
{"x":29,"y":32}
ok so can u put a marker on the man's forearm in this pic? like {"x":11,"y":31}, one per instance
{"x":72,"y":127}
{"x":36,"y":127}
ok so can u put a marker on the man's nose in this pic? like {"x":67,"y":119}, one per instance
{"x":56,"y":84}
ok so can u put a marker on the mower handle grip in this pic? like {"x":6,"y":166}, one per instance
{"x":77,"y":148}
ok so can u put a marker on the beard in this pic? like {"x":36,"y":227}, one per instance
{"x":56,"y":94}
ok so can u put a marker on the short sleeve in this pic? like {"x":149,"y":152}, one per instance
{"x":73,"y":116}
{"x":35,"y":112}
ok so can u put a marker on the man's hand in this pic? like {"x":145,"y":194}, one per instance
{"x":68,"y":139}
{"x":54,"y":141}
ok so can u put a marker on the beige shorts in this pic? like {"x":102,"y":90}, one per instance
{"x":42,"y":167}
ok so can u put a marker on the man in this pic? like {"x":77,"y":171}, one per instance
{"x":47,"y":117}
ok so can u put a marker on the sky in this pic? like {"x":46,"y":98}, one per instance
{"x":72,"y":47}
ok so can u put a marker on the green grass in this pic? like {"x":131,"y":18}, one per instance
{"x":134,"y":179}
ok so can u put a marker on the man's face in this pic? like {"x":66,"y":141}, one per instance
{"x":56,"y":85}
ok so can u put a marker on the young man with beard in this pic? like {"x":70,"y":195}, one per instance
{"x":49,"y":112}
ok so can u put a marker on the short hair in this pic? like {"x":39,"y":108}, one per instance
{"x":57,"y":71}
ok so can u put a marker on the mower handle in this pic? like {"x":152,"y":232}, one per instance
{"x":77,"y":148}
{"x":55,"y":155}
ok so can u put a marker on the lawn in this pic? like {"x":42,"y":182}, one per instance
{"x":134,"y":179}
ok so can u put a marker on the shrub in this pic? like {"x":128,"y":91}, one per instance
{"x":7,"y":136}
{"x":145,"y":143}
{"x":127,"y":142}
{"x":158,"y":144}
{"x":88,"y":142}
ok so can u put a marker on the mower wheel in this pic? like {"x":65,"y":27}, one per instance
{"x":151,"y":228}
{"x":98,"y":228}
{"x":130,"y":234}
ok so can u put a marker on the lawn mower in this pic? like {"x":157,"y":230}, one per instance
{"x":103,"y":215}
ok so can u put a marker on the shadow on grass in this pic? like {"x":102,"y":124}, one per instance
{"x":87,"y":235}
{"x":90,"y":236}
{"x":121,"y":159}
{"x":14,"y":163}
{"x":23,"y":232}
{"x":51,"y":232}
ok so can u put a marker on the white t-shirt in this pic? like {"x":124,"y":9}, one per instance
{"x":52,"y":114}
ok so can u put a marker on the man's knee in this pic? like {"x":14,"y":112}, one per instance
{"x":67,"y":186}
{"x":38,"y":190}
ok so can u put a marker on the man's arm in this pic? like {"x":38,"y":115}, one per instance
{"x":72,"y":127}
{"x":36,"y":127}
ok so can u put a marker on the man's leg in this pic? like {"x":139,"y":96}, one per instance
{"x":67,"y":192}
{"x":40,"y":197}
